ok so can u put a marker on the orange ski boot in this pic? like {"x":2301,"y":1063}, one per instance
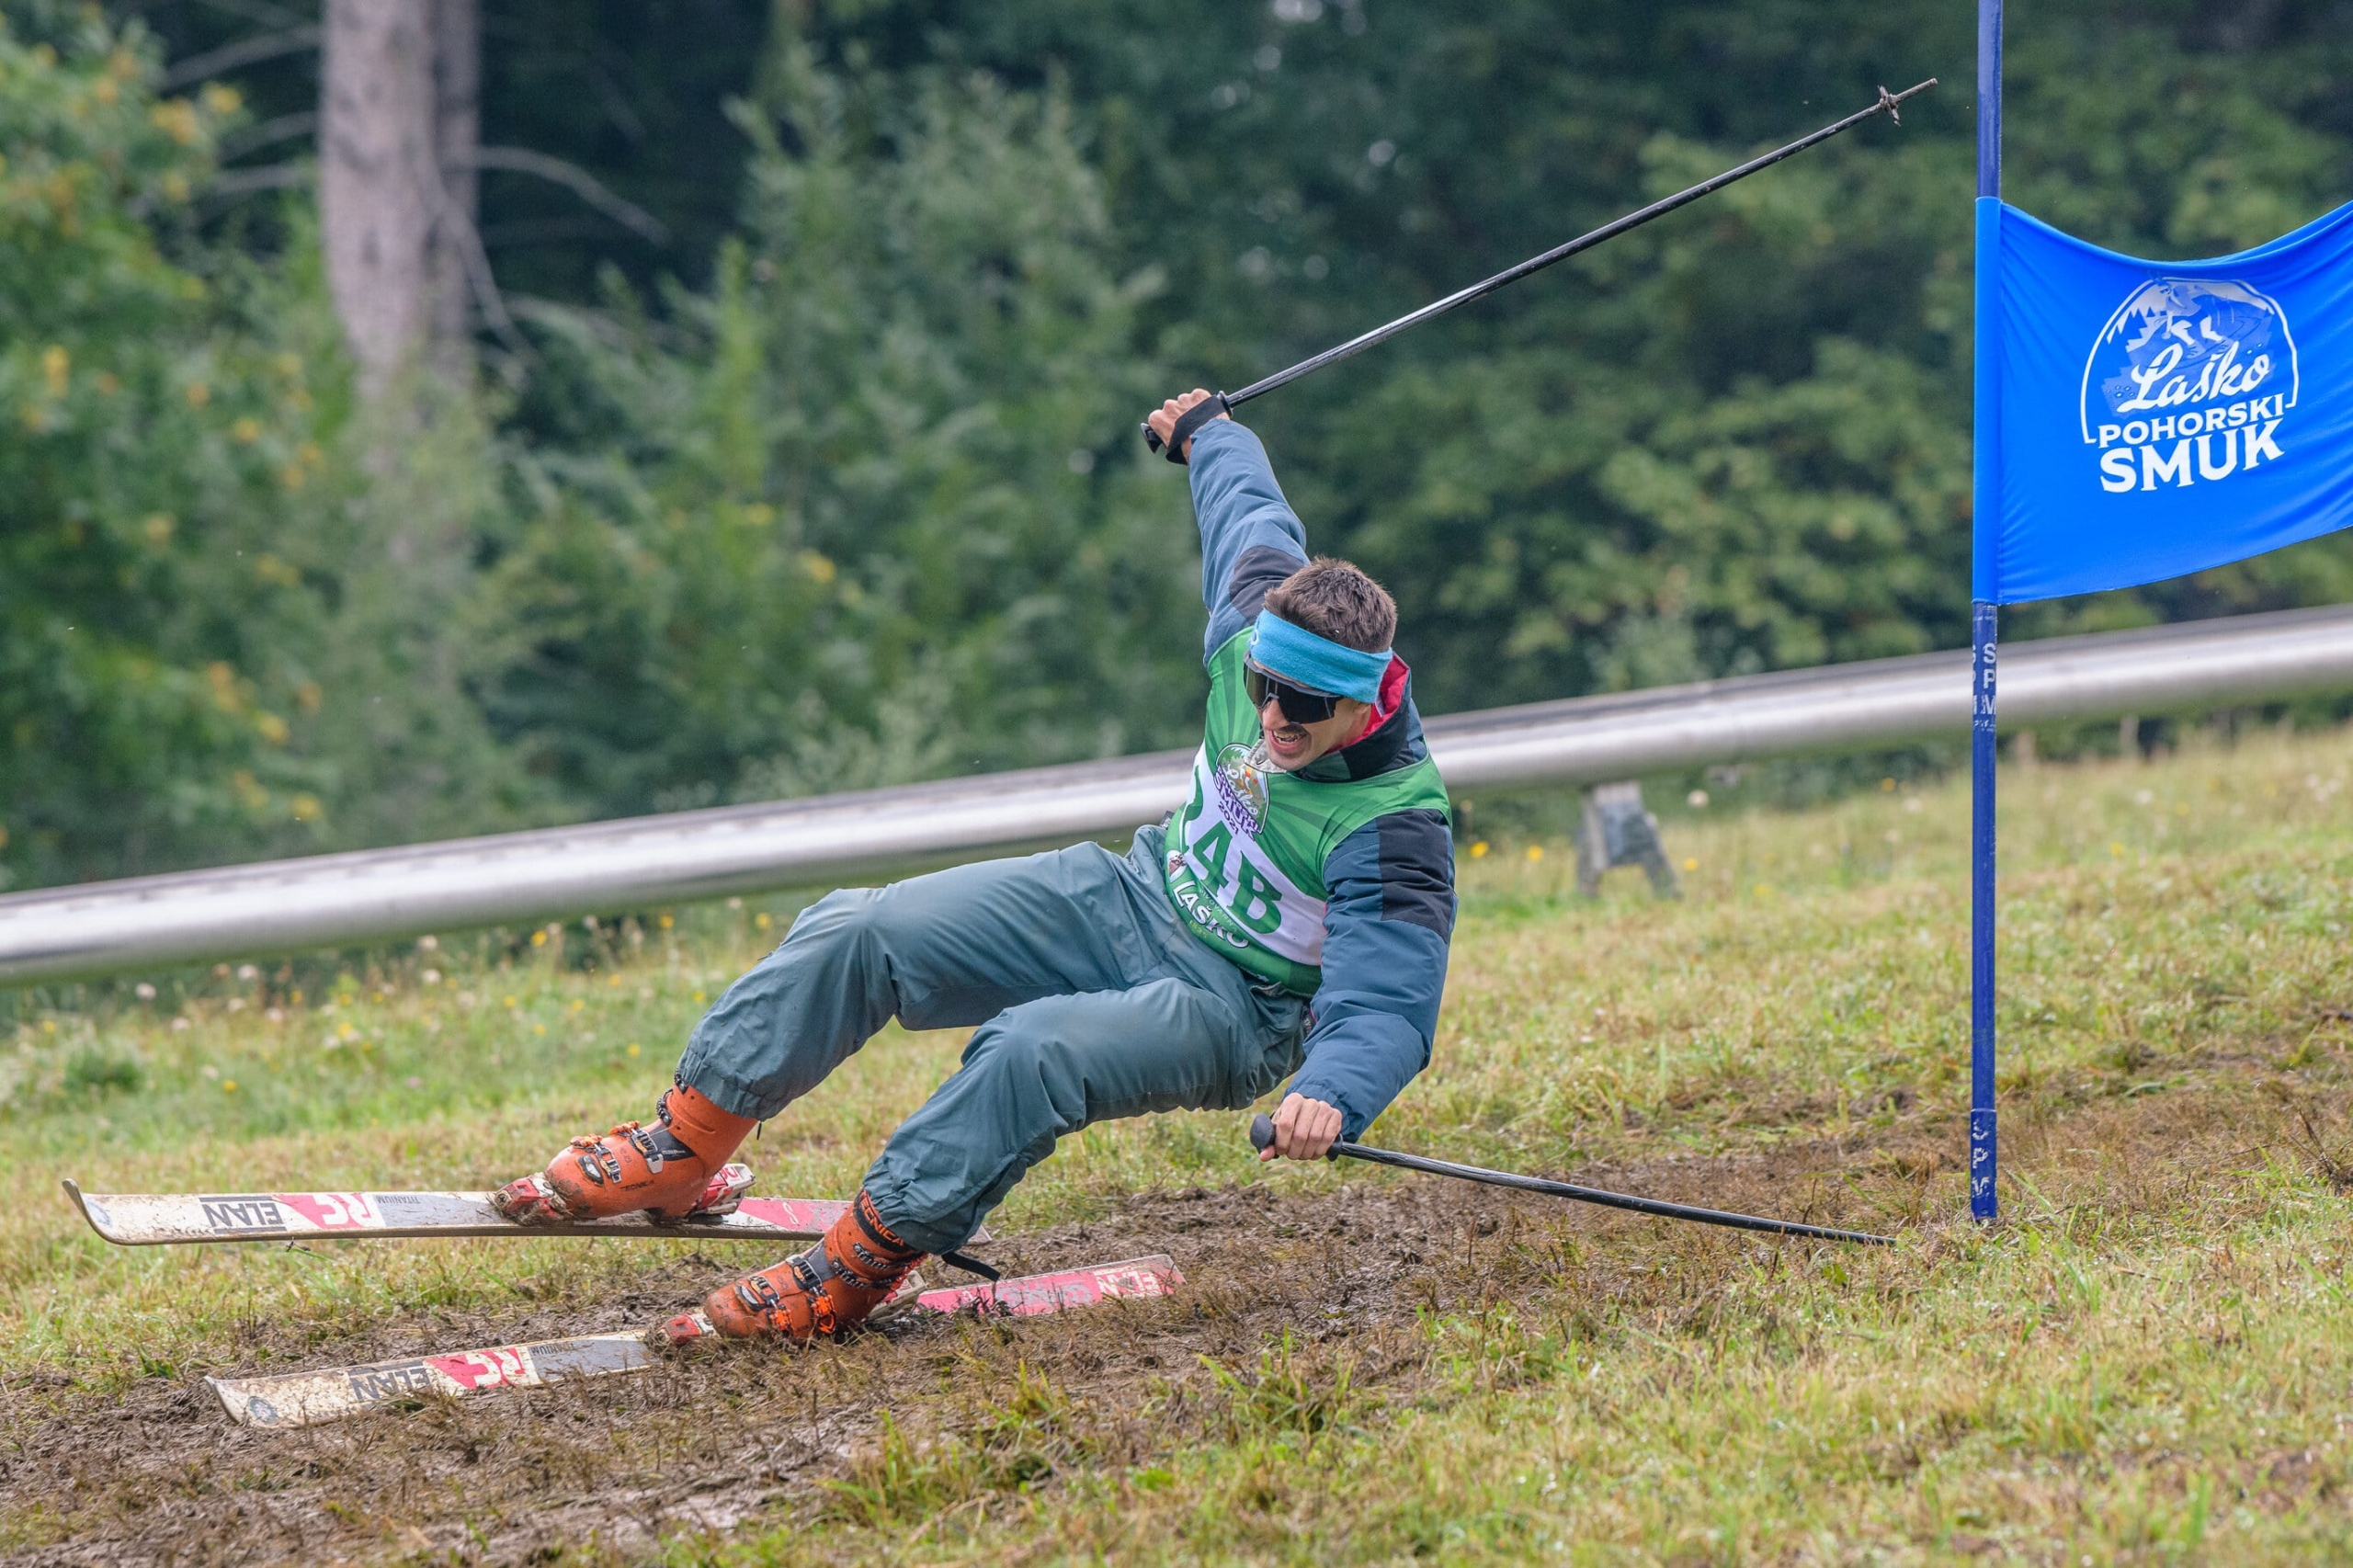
{"x":830,"y":1288}
{"x":665,"y":1169}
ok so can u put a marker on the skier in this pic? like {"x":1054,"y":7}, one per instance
{"x":1293,"y":917}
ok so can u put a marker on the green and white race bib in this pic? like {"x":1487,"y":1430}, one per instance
{"x":1245,"y":858}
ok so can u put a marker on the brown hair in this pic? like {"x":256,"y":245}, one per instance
{"x":1335,"y":600}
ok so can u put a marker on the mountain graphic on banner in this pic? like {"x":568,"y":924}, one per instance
{"x":2187,"y":342}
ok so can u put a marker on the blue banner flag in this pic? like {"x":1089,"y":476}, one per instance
{"x":2148,"y":419}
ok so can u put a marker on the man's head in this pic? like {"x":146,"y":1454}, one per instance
{"x":1317,"y":660}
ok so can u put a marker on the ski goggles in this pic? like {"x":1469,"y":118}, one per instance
{"x":1300,"y":704}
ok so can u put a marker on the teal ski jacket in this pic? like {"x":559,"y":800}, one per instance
{"x":1390,"y":883}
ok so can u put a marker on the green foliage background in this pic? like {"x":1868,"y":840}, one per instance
{"x":841,"y":487}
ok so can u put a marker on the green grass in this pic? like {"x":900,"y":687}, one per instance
{"x":2149,"y":1360}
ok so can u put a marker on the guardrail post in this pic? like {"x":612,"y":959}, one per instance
{"x":1617,"y":831}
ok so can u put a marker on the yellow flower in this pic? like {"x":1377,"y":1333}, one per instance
{"x":1479,"y":851}
{"x":667,"y":922}
{"x":632,"y":1048}
{"x":306,"y":808}
{"x":271,"y":728}
{"x":510,"y":1001}
{"x":222,"y":100}
{"x":175,"y":117}
{"x":246,"y":431}
{"x":539,"y":938}
{"x":764,"y":920}
{"x":539,"y":1028}
{"x":578,"y":1005}
{"x":821,"y":569}
{"x":228,"y":1085}
{"x":159,"y":527}
{"x":1690,"y":864}
{"x":55,"y":364}
{"x":1536,"y":852}
{"x":198,"y":394}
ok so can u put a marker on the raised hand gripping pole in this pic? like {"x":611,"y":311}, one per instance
{"x":1262,"y":1136}
{"x":1225,"y":402}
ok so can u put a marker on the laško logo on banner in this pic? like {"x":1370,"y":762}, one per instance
{"x":2189,"y":380}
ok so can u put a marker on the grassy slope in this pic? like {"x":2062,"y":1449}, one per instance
{"x":2149,"y":1360}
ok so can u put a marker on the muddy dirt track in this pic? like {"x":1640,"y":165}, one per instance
{"x":716,"y":1438}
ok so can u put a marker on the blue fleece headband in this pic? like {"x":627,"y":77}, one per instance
{"x":1299,"y":655}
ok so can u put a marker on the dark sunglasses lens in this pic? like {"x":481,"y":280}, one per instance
{"x":1298,"y":706}
{"x":1307,"y":707}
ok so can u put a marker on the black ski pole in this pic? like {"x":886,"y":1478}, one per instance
{"x":1262,"y":1135}
{"x":1201,"y":414}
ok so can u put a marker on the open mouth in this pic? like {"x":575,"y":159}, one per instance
{"x":1290,"y":739}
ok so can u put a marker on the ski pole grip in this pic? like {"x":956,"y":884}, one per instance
{"x":1262,"y":1132}
{"x":1191,"y":420}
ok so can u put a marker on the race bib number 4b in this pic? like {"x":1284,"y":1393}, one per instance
{"x":1222,"y":877}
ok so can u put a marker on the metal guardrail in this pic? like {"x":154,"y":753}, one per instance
{"x":373,"y":895}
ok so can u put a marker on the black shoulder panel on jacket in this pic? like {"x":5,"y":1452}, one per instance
{"x":1256,"y":571}
{"x":1417,"y":869}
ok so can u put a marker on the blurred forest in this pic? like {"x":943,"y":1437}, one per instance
{"x":762,"y":420}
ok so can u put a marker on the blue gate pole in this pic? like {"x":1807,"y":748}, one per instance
{"x":1985,"y":528}
{"x":1982,"y":1162}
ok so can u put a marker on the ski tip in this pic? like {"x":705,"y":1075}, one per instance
{"x":236,"y":1411}
{"x":248,"y":1408}
{"x":93,"y":1212}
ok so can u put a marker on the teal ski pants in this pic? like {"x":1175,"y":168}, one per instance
{"x":1092,"y":1001}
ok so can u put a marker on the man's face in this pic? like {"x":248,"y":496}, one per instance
{"x":1292,"y":746}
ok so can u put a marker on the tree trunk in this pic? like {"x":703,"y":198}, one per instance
{"x":456,"y":247}
{"x":399,"y":126}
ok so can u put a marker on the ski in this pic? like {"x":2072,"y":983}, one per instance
{"x":305,"y":1399}
{"x":1029,"y":1296}
{"x":135,"y":1220}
